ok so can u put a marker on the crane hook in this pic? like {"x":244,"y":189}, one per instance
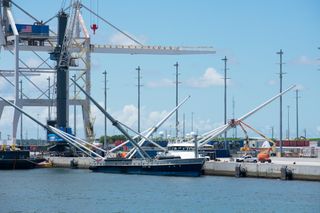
{"x":94,"y":27}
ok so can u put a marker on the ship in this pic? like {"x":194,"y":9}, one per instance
{"x":166,"y":165}
{"x":163,"y":167}
{"x":17,"y":159}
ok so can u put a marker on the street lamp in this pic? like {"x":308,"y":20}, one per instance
{"x":105,"y":107}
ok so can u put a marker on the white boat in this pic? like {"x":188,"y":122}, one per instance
{"x":185,"y":150}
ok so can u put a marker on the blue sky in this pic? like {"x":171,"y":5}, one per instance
{"x":248,"y":32}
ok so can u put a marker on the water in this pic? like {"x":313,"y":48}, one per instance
{"x":67,"y":190}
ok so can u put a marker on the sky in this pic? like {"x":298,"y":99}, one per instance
{"x":249,"y":33}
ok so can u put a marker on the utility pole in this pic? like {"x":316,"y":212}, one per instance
{"x":272,"y":132}
{"x":74,"y":106}
{"x":288,"y":136}
{"x":191,"y":121}
{"x":305,"y":133}
{"x":139,"y":86}
{"x":49,"y":108}
{"x":280,"y":74}
{"x":177,"y":98}
{"x":297,"y":113}
{"x":235,"y":128}
{"x":38,"y":128}
{"x":184,"y":126}
{"x":105,"y":108}
{"x":21,"y":116}
{"x":225,"y":99}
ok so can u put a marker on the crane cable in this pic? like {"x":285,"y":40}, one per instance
{"x":113,"y":26}
{"x":63,"y":4}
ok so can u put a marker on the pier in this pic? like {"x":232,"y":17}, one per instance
{"x":298,"y":168}
{"x":301,"y":168}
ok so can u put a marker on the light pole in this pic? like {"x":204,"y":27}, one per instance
{"x":177,"y":97}
{"x":280,"y":74}
{"x":139,"y":85}
{"x":184,"y":126}
{"x":297,"y":113}
{"x":49,"y":108}
{"x":191,"y":121}
{"x":21,"y":116}
{"x":38,"y":128}
{"x":225,"y":99}
{"x":74,"y":106}
{"x":288,"y":136}
{"x":105,"y":107}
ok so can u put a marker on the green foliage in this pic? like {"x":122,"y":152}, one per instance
{"x":112,"y":139}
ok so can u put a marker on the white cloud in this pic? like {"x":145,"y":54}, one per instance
{"x":299,"y":87}
{"x":29,"y":126}
{"x":128,"y":115}
{"x":210,"y":78}
{"x":121,"y":39}
{"x":154,"y":117}
{"x":161,"y":83}
{"x":305,"y":60}
{"x":272,"y":82}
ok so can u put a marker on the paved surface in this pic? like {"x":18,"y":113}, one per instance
{"x":297,"y":161}
{"x":286,"y":161}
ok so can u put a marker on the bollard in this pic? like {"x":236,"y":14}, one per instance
{"x":74,"y":164}
{"x":240,"y":171}
{"x":286,"y":173}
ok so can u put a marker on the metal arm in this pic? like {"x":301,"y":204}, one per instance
{"x":156,"y":127}
{"x":60,"y":133}
{"x":231,"y":125}
{"x":114,"y":122}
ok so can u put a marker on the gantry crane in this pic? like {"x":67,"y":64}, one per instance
{"x":71,"y":43}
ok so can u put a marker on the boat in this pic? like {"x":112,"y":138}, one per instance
{"x":165,"y":166}
{"x":144,"y":165}
{"x":16,"y":159}
{"x":184,"y":150}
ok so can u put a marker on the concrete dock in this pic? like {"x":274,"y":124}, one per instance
{"x":66,"y":162}
{"x":281,"y":168}
{"x":300,"y":168}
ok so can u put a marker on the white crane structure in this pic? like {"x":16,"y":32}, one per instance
{"x":76,"y":53}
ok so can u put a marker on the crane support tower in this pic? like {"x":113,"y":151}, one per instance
{"x":71,"y":48}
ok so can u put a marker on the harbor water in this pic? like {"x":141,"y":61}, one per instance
{"x":76,"y":190}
